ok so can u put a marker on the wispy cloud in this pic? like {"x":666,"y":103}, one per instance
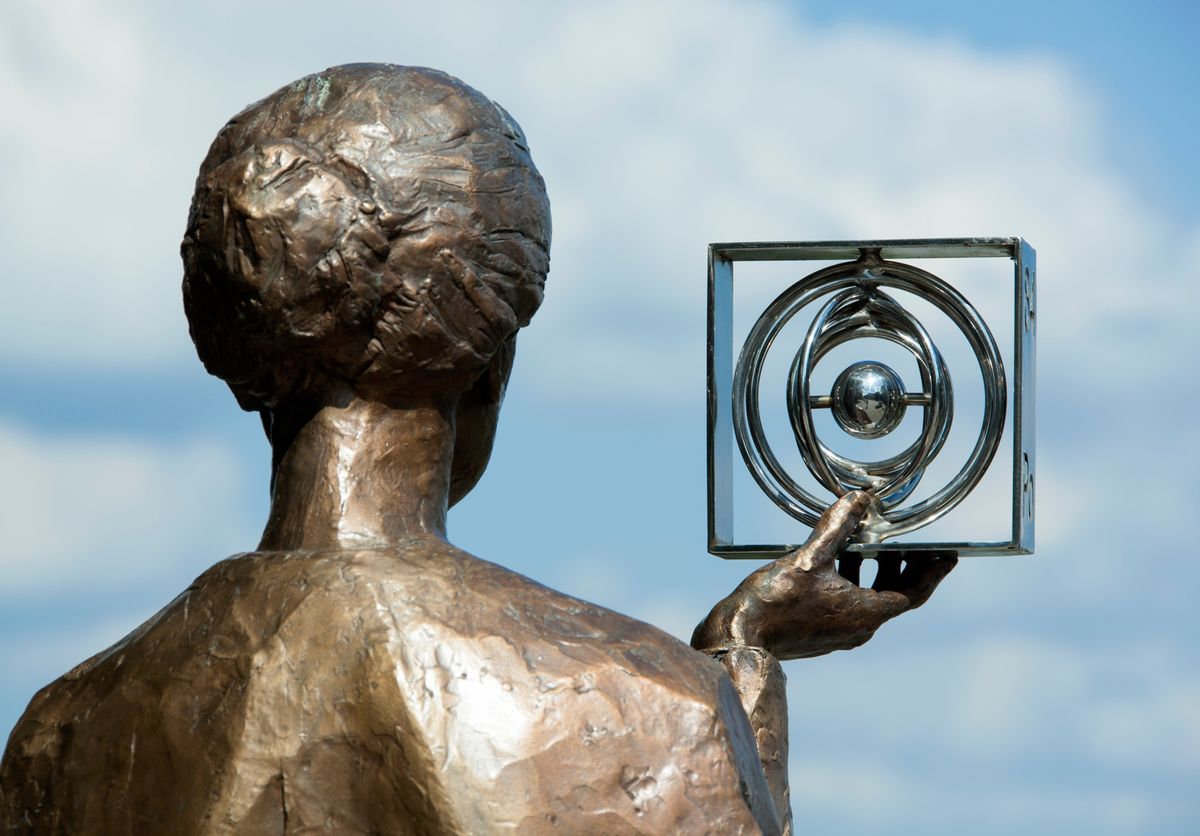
{"x":95,"y":514}
{"x":661,"y":127}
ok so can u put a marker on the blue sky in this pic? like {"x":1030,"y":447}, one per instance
{"x":1053,"y":694}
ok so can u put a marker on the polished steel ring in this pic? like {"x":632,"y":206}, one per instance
{"x":859,"y":308}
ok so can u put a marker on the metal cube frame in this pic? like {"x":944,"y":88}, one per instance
{"x":721,"y":354}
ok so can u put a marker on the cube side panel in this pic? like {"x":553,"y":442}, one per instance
{"x":720,"y":400}
{"x":891,"y":248}
{"x":1024,"y":408}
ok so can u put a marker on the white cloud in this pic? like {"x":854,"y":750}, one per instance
{"x":92,"y":278}
{"x":1021,"y":728}
{"x":94,"y":514}
{"x":869,"y":796}
{"x":78,"y":61}
{"x":1126,"y":705}
{"x":659,"y":127}
{"x":750,"y":125}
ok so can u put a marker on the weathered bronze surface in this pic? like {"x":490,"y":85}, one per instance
{"x":362,"y":248}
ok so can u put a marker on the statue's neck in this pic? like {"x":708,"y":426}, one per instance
{"x":362,"y":475}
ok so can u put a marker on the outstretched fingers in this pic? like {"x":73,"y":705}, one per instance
{"x":919,"y":578}
{"x":922,"y":575}
{"x":887,"y":576}
{"x":897,"y":590}
{"x":849,"y":566}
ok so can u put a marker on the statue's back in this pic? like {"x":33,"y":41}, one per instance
{"x":402,"y":691}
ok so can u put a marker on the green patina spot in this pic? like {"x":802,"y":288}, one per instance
{"x":316,"y":93}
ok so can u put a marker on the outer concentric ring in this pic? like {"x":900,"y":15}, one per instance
{"x":859,"y":309}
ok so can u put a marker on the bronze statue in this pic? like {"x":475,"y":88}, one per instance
{"x":363,"y":246}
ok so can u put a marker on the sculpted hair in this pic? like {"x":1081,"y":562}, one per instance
{"x":374,"y":226}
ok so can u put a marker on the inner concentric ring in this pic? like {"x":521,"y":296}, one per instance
{"x":868,"y":312}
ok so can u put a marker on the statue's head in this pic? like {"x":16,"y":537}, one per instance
{"x":371,"y":230}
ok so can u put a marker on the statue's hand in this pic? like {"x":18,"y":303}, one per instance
{"x":808,"y":603}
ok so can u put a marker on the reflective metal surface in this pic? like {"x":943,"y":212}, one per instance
{"x":892,"y":479}
{"x":868,"y":399}
{"x":853,"y":304}
{"x":860,"y":308}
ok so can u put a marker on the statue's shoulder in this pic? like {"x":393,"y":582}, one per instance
{"x":530,"y":699}
{"x":476,"y":694}
{"x":392,"y":601}
{"x":457,"y":598}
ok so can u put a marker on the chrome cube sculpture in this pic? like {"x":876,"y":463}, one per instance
{"x":868,"y":399}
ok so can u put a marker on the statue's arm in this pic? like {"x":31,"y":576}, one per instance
{"x":802,"y":605}
{"x":760,"y":683}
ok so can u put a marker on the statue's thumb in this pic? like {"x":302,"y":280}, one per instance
{"x":835,"y":527}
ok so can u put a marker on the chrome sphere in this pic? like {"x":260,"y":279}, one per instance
{"x":868,"y":400}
